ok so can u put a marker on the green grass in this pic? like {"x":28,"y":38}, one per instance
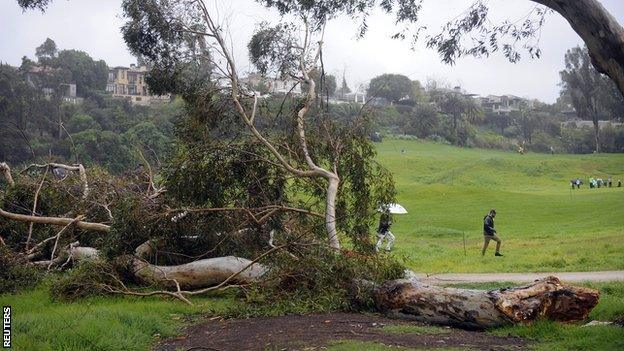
{"x":103,"y":323}
{"x":545,"y":226}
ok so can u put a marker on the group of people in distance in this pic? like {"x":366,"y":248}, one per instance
{"x":595,"y":183}
{"x":489,"y":233}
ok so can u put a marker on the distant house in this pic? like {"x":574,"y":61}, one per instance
{"x":504,"y":104}
{"x":129,"y":83}
{"x":35,"y":76}
{"x":258,"y":82}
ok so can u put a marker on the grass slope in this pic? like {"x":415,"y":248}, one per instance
{"x":545,"y":226}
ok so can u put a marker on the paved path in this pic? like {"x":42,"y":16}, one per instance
{"x":455,"y":278}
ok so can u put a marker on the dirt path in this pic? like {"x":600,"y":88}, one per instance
{"x":315,"y":332}
{"x":454,"y":278}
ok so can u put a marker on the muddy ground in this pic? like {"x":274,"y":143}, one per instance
{"x":315,"y":332}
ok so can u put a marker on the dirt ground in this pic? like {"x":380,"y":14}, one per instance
{"x":314,"y":332}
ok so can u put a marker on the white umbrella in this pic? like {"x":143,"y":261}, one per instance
{"x":393,"y":208}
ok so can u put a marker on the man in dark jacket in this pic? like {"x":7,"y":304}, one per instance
{"x":489,"y":233}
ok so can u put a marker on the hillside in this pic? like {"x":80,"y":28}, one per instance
{"x":545,"y":226}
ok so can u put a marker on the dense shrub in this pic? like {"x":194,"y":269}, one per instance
{"x":14,"y":274}
{"x":89,"y":278}
{"x":318,"y":279}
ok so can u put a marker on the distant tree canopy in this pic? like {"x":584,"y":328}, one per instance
{"x":593,"y":95}
{"x":88,"y":75}
{"x":67,"y":66}
{"x":46,"y":52}
{"x":393,"y":87}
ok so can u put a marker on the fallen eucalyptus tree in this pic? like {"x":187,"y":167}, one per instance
{"x":547,"y":298}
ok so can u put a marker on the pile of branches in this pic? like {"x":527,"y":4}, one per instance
{"x":134,"y":238}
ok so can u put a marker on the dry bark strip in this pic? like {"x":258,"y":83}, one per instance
{"x":546,"y":298}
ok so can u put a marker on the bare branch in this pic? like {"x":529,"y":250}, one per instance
{"x":59,"y":221}
{"x":34,"y":208}
{"x":58,"y":237}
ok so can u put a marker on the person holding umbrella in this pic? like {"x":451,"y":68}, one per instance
{"x":383,"y":231}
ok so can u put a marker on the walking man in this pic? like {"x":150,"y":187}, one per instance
{"x":489,"y":233}
{"x":383,"y":231}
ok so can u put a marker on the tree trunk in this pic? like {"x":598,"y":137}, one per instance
{"x":596,"y":134}
{"x":330,"y":212}
{"x":478,"y":309}
{"x":199,"y":274}
{"x":600,"y":31}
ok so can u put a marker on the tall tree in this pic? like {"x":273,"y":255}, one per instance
{"x":393,"y":87}
{"x":46,"y":52}
{"x":305,"y":144}
{"x":460,"y":108}
{"x":88,"y":75}
{"x":344,"y":88}
{"x":589,"y":91}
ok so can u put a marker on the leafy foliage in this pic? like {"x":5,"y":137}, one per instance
{"x":273,"y":50}
{"x":317,"y":279}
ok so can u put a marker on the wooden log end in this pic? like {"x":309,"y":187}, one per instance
{"x":547,"y":298}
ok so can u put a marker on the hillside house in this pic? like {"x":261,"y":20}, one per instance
{"x":129,"y":83}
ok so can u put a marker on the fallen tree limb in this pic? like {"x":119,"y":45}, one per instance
{"x":82,"y":173}
{"x":547,"y":298}
{"x":60,"y":221}
{"x":6,"y":170}
{"x":199,"y":274}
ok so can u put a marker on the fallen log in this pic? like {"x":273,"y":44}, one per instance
{"x":201,"y":273}
{"x":547,"y":298}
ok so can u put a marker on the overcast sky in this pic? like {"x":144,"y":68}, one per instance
{"x":93,"y":26}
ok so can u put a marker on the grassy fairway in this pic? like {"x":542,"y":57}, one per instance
{"x":545,"y":226}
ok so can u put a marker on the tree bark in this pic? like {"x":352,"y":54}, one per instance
{"x":547,"y":298}
{"x":330,"y":212}
{"x":597,"y":134}
{"x":6,"y":170}
{"x":199,"y":274}
{"x":600,"y":31}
